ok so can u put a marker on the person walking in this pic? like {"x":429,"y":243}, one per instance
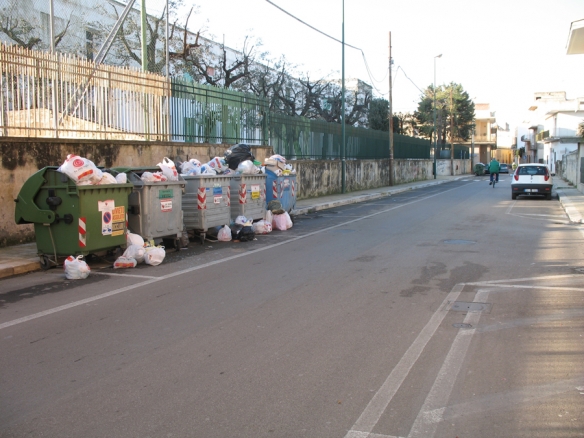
{"x":494,"y":168}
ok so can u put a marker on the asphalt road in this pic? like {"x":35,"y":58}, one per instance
{"x":450,"y":311}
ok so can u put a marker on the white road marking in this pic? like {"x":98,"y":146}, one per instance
{"x":524,"y":286}
{"x":372,"y":413}
{"x":431,"y":413}
{"x":545,"y":277}
{"x":509,"y":399}
{"x":114,"y":274}
{"x":206,"y":265}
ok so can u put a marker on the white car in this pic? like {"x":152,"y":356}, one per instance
{"x":531,"y":179}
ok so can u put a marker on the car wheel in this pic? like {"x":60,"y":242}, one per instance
{"x":513,"y":196}
{"x":548,"y":196}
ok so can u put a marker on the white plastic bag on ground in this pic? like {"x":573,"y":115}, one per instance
{"x":125,"y":262}
{"x":268,"y":216}
{"x":134,"y":239}
{"x":154,"y":255}
{"x":135,"y":252}
{"x":262,"y":227}
{"x":80,"y":169}
{"x":289,"y":222}
{"x":279,"y":222}
{"x":76,"y":268}
{"x":168,"y":169}
{"x":224,"y":234}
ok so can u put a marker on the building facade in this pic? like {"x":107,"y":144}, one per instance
{"x":552,"y":131}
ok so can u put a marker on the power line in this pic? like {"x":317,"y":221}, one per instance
{"x":334,"y":39}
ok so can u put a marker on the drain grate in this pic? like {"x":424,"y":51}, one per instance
{"x":463,"y":306}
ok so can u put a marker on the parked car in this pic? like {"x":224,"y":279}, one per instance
{"x":504,"y":168}
{"x":531,"y":179}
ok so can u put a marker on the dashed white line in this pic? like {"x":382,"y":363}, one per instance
{"x":430,"y":415}
{"x":372,"y":413}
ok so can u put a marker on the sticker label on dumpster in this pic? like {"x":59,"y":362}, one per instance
{"x":106,"y":208}
{"x":217,"y":191}
{"x":255,"y":191}
{"x":108,"y":205}
{"x":106,"y":223}
{"x":217,"y":199}
{"x":166,"y":204}
{"x":165,"y":194}
{"x":118,"y":221}
{"x":286,"y":184}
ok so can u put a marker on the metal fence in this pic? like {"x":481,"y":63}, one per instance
{"x":44,"y":95}
{"x":62,"y":96}
{"x":301,"y":138}
{"x":205,"y":114}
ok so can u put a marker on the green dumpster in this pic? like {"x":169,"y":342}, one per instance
{"x":71,"y":219}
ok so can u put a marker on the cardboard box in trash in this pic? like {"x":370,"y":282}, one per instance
{"x":274,"y":165}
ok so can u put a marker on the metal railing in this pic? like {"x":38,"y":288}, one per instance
{"x":44,"y":95}
{"x":205,"y":114}
{"x":62,"y":96}
{"x":301,"y":138}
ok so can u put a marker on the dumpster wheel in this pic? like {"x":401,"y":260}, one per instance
{"x":46,"y":263}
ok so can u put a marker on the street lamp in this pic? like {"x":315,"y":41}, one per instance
{"x":434,"y":129}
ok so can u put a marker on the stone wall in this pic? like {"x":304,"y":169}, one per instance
{"x":21,"y":157}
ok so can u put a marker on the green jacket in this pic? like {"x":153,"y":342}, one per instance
{"x":494,"y":166}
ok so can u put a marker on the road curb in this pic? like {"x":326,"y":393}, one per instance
{"x":566,"y":202}
{"x":327,"y":205}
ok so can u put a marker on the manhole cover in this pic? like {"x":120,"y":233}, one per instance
{"x":462,"y":306}
{"x":462,"y":325}
{"x":459,"y":242}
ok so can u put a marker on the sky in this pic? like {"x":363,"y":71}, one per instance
{"x":501,"y":51}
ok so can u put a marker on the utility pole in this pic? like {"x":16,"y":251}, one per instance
{"x":451,"y":136}
{"x":390,"y":120}
{"x":343,"y":160}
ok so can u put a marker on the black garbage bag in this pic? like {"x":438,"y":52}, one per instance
{"x":243,"y":233}
{"x":246,"y":234}
{"x":236,"y":154}
{"x":235,"y":229}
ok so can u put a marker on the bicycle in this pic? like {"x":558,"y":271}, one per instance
{"x":494,"y":178}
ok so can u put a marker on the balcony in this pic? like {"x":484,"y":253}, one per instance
{"x":484,"y":138}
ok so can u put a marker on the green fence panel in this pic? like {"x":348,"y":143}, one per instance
{"x":206,"y":114}
{"x":301,"y":138}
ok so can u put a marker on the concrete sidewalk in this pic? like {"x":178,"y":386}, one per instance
{"x":20,"y":259}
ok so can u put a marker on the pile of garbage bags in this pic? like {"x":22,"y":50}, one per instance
{"x":237,"y":160}
{"x":85,"y":172}
{"x":137,"y":251}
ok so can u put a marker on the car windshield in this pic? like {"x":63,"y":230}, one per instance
{"x":532,"y":170}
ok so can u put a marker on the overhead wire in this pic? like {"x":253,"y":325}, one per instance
{"x":338,"y":41}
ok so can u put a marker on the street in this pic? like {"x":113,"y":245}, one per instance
{"x":448,"y":311}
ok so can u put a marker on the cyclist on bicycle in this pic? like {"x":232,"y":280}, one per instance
{"x":494,"y":168}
